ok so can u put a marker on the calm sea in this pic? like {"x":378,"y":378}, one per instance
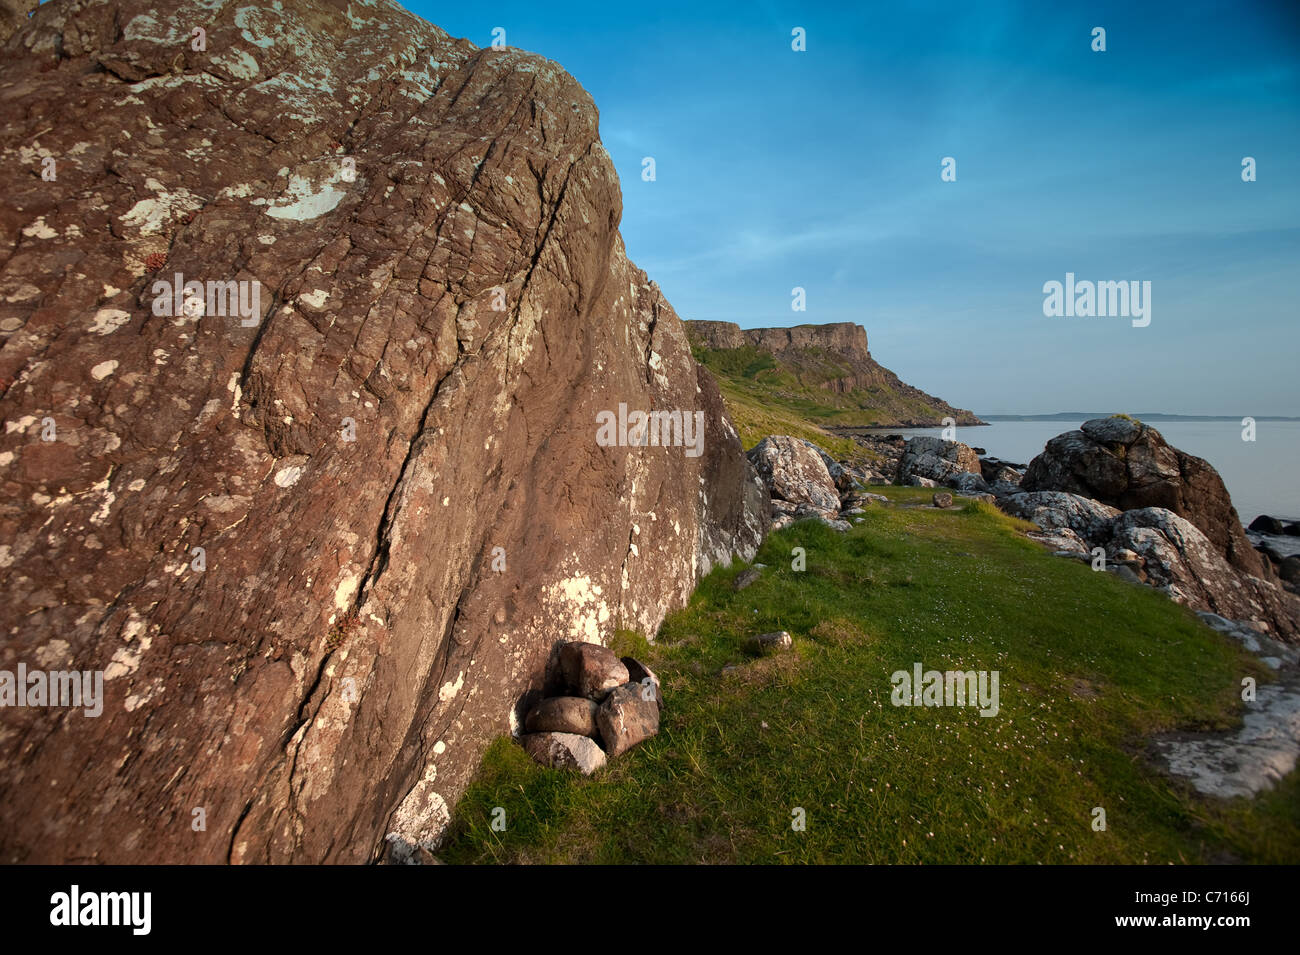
{"x":1263,"y":476}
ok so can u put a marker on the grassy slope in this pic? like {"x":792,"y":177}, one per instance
{"x":1090,"y":667}
{"x":767,"y":391}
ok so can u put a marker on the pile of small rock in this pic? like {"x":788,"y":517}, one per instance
{"x":606,"y":707}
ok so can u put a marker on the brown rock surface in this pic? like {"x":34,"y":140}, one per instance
{"x":563,"y":714}
{"x":591,"y":670}
{"x":391,"y":468}
{"x":626,"y":718}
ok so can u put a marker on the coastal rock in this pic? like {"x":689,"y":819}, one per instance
{"x":388,"y":461}
{"x":1124,"y":463}
{"x":936,"y":459}
{"x":1183,"y":562}
{"x":627,"y":718}
{"x":793,"y":471}
{"x":1267,"y":525}
{"x":994,"y":470}
{"x":565,"y":751}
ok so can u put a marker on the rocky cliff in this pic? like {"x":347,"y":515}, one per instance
{"x":835,"y":358}
{"x":306,"y":321}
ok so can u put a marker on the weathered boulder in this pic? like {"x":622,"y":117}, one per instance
{"x":563,"y":714}
{"x":626,"y":718}
{"x":1125,"y":463}
{"x":590,"y":670}
{"x":936,"y":459}
{"x":319,"y":529}
{"x":793,"y":471}
{"x":1182,"y":561}
{"x":565,"y":751}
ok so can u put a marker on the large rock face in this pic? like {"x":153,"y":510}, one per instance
{"x":1124,"y":463}
{"x":389,"y":458}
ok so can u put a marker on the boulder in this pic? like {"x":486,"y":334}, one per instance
{"x":794,"y":471}
{"x":590,"y":670}
{"x":1126,"y":464}
{"x":765,"y":644}
{"x":916,"y":480}
{"x":936,"y":459}
{"x":565,"y":751}
{"x":563,"y":714}
{"x":627,"y":718}
{"x":942,"y":499}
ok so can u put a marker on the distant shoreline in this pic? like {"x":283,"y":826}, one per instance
{"x":1154,"y":416}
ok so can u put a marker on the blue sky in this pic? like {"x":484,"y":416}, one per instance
{"x":821,"y":169}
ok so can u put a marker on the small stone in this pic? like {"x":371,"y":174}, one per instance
{"x":769,"y":643}
{"x":626,"y":718}
{"x":563,"y":714}
{"x":591,"y":670}
{"x":565,"y":751}
{"x":943,"y":499}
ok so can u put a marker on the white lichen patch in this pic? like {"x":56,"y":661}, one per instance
{"x":449,"y":690}
{"x":346,"y":590}
{"x":109,"y":320}
{"x":238,"y":63}
{"x":580,"y":601}
{"x":303,"y":202}
{"x":151,"y":215}
{"x":289,"y":476}
{"x":104,"y":369}
{"x":39,"y":230}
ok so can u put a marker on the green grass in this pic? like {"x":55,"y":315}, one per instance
{"x":1090,"y":668}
